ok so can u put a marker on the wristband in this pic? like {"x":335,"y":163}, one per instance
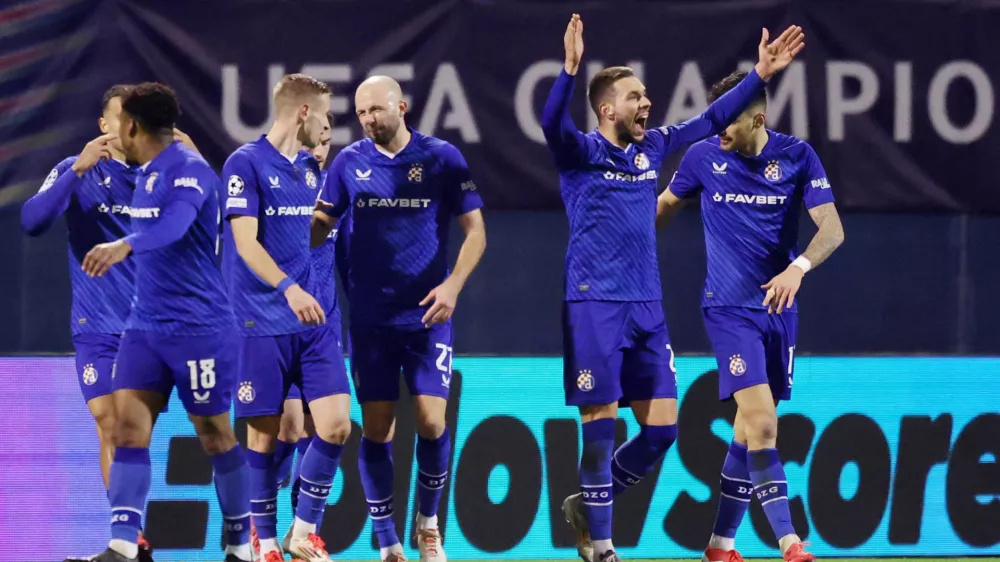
{"x":803,"y":263}
{"x":285,"y":284}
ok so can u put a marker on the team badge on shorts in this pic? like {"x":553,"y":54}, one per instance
{"x":89,"y":374}
{"x":150,"y":182}
{"x":246,"y":393}
{"x":585,"y":381}
{"x":772,"y":171}
{"x":235,"y":185}
{"x":416,"y":174}
{"x":737,"y":366}
{"x":641,"y":161}
{"x":310,"y":179}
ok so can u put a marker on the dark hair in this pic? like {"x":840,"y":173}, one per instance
{"x":153,"y":105}
{"x":116,"y":91}
{"x":728,"y":83}
{"x":602,"y":83}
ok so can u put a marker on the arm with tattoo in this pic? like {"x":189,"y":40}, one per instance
{"x":828,"y":237}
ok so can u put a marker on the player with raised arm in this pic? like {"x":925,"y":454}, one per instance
{"x":180,"y":330}
{"x":753,"y":182}
{"x":405,"y":189}
{"x":616,"y":345}
{"x":267,"y":263}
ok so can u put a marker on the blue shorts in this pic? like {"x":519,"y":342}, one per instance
{"x":202,"y":367}
{"x":616,"y":352}
{"x":95,"y":359}
{"x":379,"y":353}
{"x":295,"y":393}
{"x":269,"y":366}
{"x":752,"y":347}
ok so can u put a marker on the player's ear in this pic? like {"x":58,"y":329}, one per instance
{"x":607,"y":111}
{"x":102,"y":124}
{"x":759,"y":120}
{"x":133,"y":128}
{"x":403,"y":107}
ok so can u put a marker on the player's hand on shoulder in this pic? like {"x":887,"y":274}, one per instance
{"x":185,"y":139}
{"x":93,"y":152}
{"x":305,"y":306}
{"x":99,"y":259}
{"x":781,"y":289}
{"x":573,"y":44}
{"x":445,"y":297}
{"x":778,"y":54}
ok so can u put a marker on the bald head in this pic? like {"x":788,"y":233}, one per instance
{"x":380,"y":108}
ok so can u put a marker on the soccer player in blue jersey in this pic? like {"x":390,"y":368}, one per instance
{"x":405,"y":189}
{"x":752,"y":183}
{"x":267,"y":262}
{"x":616,"y":346}
{"x":180,"y":330}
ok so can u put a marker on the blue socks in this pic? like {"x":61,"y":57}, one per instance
{"x":432,"y":466}
{"x":771,"y":489}
{"x":232,"y":485}
{"x":301,"y":446}
{"x":736,"y":488}
{"x":375,"y":465}
{"x":639,"y":455}
{"x":263,"y":493}
{"x":129,"y":485}
{"x":319,"y":466}
{"x":284,"y":454}
{"x":595,"y":477}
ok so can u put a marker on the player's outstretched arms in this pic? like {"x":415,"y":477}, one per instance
{"x":667,"y":205}
{"x":261,"y":263}
{"x":445,"y":295}
{"x":561,"y":134}
{"x":781,"y":290}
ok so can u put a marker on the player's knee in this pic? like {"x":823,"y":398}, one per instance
{"x":430,"y":425}
{"x":336,"y":432}
{"x":216,"y":435}
{"x":129,"y":433}
{"x":291,"y":429}
{"x":761,"y":427}
{"x":379,"y":424}
{"x":105,"y":424}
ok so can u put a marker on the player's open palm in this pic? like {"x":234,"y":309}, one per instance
{"x":305,"y":306}
{"x":99,"y":260}
{"x":445,"y":297}
{"x":778,"y":54}
{"x":94,"y":151}
{"x":573,"y":43}
{"x":781,"y":290}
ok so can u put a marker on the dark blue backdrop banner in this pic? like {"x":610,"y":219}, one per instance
{"x":898,"y":98}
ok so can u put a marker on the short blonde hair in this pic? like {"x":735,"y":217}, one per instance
{"x":297,"y":86}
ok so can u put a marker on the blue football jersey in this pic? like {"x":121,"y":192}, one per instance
{"x":96,"y":211}
{"x":750,"y":210}
{"x":610,"y":194}
{"x":323,"y":284}
{"x":259,"y":181}
{"x":401,"y":211}
{"x":178,"y":288}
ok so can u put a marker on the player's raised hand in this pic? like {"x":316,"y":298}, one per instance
{"x":778,"y":54}
{"x":781,"y":289}
{"x":305,"y":306}
{"x":445,"y":296}
{"x":573,"y":43}
{"x":99,"y":260}
{"x":94,"y":151}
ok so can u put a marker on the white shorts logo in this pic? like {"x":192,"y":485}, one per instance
{"x":246,"y":393}
{"x":89,"y":374}
{"x":585,"y":381}
{"x":737,"y":366}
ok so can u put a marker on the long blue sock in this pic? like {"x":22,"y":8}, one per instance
{"x":319,"y":466}
{"x":432,"y":467}
{"x":375,"y":465}
{"x":771,"y":489}
{"x":263,"y":494}
{"x":232,"y":485}
{"x":595,"y":477}
{"x":129,"y":485}
{"x":302,"y":446}
{"x":639,"y":455}
{"x":736,"y":488}
{"x":284,"y":454}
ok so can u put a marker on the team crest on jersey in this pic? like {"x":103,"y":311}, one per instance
{"x":772,"y":171}
{"x":150,"y":182}
{"x":246,"y":393}
{"x":416,"y":174}
{"x":737,"y":366}
{"x":89,"y":374}
{"x":641,"y":161}
{"x":585,"y":381}
{"x":311,"y":179}
{"x":235,"y":186}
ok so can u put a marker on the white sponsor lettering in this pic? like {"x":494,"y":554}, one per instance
{"x":188,"y":182}
{"x":756,"y":199}
{"x":290,"y":211}
{"x":622,"y":176}
{"x":468,"y":186}
{"x":236,"y":203}
{"x":821,"y":183}
{"x":398,"y":202}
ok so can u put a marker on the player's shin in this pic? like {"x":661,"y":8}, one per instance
{"x":129,"y":485}
{"x":232,"y":485}
{"x":319,"y":466}
{"x":595,"y":481}
{"x":432,"y":466}
{"x":375,"y":465}
{"x":736,"y":491}
{"x":639,"y":455}
{"x":284,"y":454}
{"x":264,"y":498}
{"x":301,"y":446}
{"x":771,"y":489}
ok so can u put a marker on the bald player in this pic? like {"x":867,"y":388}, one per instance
{"x":404,"y":188}
{"x":270,"y":197}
